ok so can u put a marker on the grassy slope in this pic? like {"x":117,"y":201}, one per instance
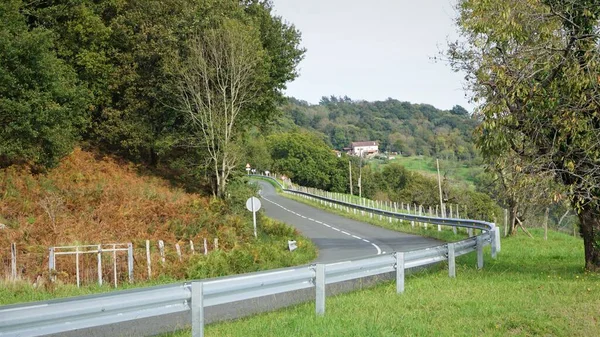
{"x":535,"y":287}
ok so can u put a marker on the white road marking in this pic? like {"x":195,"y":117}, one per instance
{"x":326,"y":225}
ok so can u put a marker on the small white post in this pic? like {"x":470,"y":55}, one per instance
{"x":454,"y":229}
{"x":451,"y":260}
{"x":497,"y":238}
{"x":77,"y":265}
{"x":192,"y":247}
{"x":161,"y":248}
{"x":399,"y":272}
{"x":505,"y":222}
{"x":320,"y":289}
{"x":253,"y":216}
{"x":197,"y":309}
{"x":148,"y":260}
{"x":130,"y":261}
{"x":52,"y":263}
{"x":436,"y":215}
{"x":494,"y":242}
{"x":13,"y":261}
{"x":114,"y":247}
{"x":479,"y":252}
{"x":178,"y":249}
{"x":216,"y":243}
{"x":99,"y":264}
{"x":205,"y":247}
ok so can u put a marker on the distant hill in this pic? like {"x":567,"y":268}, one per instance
{"x":403,"y":127}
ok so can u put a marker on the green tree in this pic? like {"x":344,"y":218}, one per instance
{"x":533,"y":68}
{"x":308,"y":161}
{"x":41,"y":104}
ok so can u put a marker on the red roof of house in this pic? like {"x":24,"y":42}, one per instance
{"x":369,"y":143}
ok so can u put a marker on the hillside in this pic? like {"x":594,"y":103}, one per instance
{"x":90,"y":199}
{"x":409,"y":129}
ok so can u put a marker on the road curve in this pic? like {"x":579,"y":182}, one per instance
{"x":337,"y":238}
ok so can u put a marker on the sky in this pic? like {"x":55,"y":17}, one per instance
{"x":376,"y":49}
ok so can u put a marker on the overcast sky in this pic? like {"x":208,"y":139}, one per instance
{"x":374,"y":49}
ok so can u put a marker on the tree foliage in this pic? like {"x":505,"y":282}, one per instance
{"x":533,"y":67}
{"x":41,"y":102}
{"x":122,"y":59}
{"x":410,"y":129}
{"x":308,"y":161}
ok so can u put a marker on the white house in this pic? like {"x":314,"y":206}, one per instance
{"x":364,"y":148}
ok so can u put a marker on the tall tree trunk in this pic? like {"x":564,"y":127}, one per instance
{"x":589,"y":218}
{"x":512,"y":219}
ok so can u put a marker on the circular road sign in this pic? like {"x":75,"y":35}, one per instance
{"x":253,"y":204}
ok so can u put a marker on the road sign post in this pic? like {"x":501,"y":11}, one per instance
{"x":253,"y":205}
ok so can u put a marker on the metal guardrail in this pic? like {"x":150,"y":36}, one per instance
{"x":66,"y":315}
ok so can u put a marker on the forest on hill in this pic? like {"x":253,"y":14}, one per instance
{"x":402,"y":127}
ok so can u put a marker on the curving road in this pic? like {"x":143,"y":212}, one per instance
{"x":337,"y":238}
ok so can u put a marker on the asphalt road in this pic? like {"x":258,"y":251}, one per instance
{"x":337,"y":238}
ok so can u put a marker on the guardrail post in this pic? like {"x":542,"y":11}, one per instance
{"x":399,"y":272}
{"x":451,"y":261}
{"x":479,"y":252}
{"x":197,"y":309}
{"x":320,"y":289}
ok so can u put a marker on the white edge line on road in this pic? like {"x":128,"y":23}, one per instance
{"x":326,"y":225}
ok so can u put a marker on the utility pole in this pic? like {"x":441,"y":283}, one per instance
{"x":443,"y":210}
{"x":350,"y":174}
{"x":360,"y":176}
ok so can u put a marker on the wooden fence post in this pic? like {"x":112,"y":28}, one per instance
{"x":178,"y":249}
{"x":13,"y":261}
{"x":148,"y":260}
{"x":115,"y":264}
{"x":99,"y":264}
{"x":130,"y":261}
{"x":161,"y":248}
{"x":77,"y":265}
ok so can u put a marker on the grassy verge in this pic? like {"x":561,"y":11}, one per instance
{"x":21,"y":291}
{"x":535,"y":287}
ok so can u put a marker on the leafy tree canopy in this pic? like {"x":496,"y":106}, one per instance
{"x":41,"y":104}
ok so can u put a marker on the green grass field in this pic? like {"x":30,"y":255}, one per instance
{"x":534,"y":288}
{"x":457,"y":172}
